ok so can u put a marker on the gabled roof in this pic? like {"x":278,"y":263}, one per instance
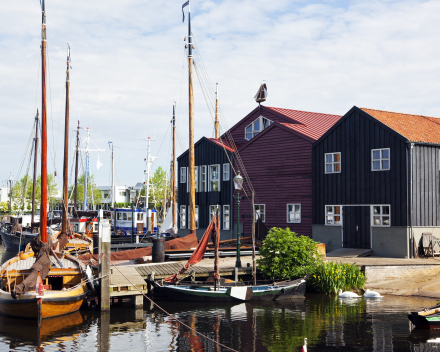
{"x":416,"y":128}
{"x":311,"y":124}
{"x":225,"y":143}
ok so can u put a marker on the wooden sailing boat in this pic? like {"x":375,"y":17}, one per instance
{"x":53,"y":284}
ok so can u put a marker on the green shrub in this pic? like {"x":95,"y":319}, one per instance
{"x":284,"y":254}
{"x":330,"y":277}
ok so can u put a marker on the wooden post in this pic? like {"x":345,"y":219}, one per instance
{"x":66,"y":154}
{"x":75,"y":194}
{"x":192,"y":191}
{"x":105,"y":266}
{"x":104,"y":332}
{"x":254,"y":265}
{"x":43,"y":206}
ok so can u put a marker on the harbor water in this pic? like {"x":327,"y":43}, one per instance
{"x":328,"y":323}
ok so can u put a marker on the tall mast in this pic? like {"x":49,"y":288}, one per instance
{"x":217,"y":135}
{"x":76,"y":170}
{"x":192,"y":190}
{"x":147,"y":183}
{"x":35,"y":168}
{"x":86,"y":174}
{"x":173,"y":170}
{"x":43,"y":207}
{"x":66,"y":151}
{"x":113,"y":179}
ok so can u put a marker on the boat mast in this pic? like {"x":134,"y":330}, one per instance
{"x":43,"y":207}
{"x":76,"y":170}
{"x":34,"y":181}
{"x":147,"y":183}
{"x":192,"y":193}
{"x":66,"y":151}
{"x":217,"y":135}
{"x":173,"y":169}
{"x":86,"y":175}
{"x":113,"y":179}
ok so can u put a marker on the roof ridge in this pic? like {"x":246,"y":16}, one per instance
{"x":308,"y":112}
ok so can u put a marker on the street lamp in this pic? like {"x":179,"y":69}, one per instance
{"x":238,"y":185}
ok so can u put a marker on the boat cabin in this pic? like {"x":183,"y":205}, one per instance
{"x":143,"y":221}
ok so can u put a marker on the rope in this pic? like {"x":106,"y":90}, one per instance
{"x":163,"y":310}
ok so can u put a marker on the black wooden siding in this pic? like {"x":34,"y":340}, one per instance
{"x":207,"y":153}
{"x":355,"y":136}
{"x":426,"y":183}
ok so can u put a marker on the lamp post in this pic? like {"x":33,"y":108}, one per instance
{"x":238,"y":185}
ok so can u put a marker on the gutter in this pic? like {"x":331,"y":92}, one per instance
{"x":410,"y":147}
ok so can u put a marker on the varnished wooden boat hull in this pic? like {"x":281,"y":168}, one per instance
{"x":53,"y":305}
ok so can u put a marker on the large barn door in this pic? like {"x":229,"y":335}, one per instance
{"x":356,"y":227}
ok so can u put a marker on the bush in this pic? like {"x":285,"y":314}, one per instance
{"x":330,"y":277}
{"x":284,"y":254}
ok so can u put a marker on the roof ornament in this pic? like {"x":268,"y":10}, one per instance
{"x":261,"y":94}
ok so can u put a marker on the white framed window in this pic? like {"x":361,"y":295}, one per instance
{"x":196,"y":178}
{"x":256,"y":127}
{"x":130,"y":216}
{"x":226,"y":217}
{"x":294,"y":213}
{"x":380,"y":159}
{"x":380,"y":215}
{"x":183,"y":175}
{"x":260,"y":212}
{"x":332,"y":163}
{"x":76,"y":228}
{"x":226,"y":172}
{"x":140,"y":216}
{"x":214,"y":178}
{"x":203,"y":183}
{"x":333,"y":215}
{"x":122,"y":193}
{"x":183,"y":216}
{"x":187,"y":179}
{"x":197,"y":217}
{"x":124,"y":216}
{"x":213,"y":210}
{"x":119,"y":216}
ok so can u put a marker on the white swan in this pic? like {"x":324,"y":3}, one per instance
{"x":372,"y":294}
{"x":347,"y":294}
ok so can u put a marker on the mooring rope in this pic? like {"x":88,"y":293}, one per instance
{"x":163,"y":310}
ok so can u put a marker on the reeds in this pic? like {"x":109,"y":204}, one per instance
{"x":330,"y":277}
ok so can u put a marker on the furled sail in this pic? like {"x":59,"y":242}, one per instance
{"x":167,"y":226}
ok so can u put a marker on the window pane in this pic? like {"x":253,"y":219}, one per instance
{"x":291,"y":217}
{"x":257,"y":125}
{"x":329,"y":220}
{"x":338,"y":210}
{"x":249,"y":128}
{"x":386,"y":220}
{"x":290,"y":208}
{"x":376,"y":210}
{"x":337,"y":157}
{"x":337,"y":219}
{"x":328,"y":168}
{"x":385,"y":164}
{"x":376,"y":154}
{"x":130,"y":216}
{"x":329,"y":210}
{"x":264,"y":123}
{"x":297,"y":217}
{"x":386,"y":210}
{"x":124,"y":216}
{"x":376,"y":165}
{"x":262,"y":206}
{"x":255,"y":133}
{"x":385,"y":154}
{"x":376,"y":220}
{"x":297,"y":208}
{"x":248,"y":135}
{"x":337,"y":167}
{"x":328,"y":158}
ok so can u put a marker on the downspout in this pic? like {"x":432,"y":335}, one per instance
{"x":231,"y":212}
{"x":410,"y":147}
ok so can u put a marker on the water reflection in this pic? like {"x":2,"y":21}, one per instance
{"x":329,"y":324}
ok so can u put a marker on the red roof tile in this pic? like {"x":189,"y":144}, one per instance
{"x":225,"y":143}
{"x":311,"y":124}
{"x":416,"y":128}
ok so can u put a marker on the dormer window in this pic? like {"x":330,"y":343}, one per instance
{"x":256,"y":127}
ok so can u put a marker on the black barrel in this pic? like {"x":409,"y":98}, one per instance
{"x":159,"y":250}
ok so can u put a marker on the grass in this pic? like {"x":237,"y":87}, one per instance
{"x":330,"y":277}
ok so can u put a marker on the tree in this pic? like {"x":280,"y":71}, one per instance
{"x":4,"y":207}
{"x":94,"y":197}
{"x":157,"y":183}
{"x":284,"y":254}
{"x":25,"y":186}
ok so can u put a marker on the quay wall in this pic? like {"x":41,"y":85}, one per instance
{"x":383,"y":273}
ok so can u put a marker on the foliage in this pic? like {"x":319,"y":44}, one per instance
{"x":25,"y":186}
{"x":4,"y":207}
{"x":284,"y":254}
{"x":330,"y":277}
{"x":156,"y":191}
{"x":94,"y":197}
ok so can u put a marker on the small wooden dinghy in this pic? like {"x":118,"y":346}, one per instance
{"x":428,"y":318}
{"x":64,"y":289}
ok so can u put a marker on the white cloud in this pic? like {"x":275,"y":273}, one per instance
{"x":127,"y":59}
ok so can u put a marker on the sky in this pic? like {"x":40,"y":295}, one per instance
{"x":129,"y":67}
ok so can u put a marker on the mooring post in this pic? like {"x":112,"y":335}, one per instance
{"x":105,"y":266}
{"x":104,"y":332}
